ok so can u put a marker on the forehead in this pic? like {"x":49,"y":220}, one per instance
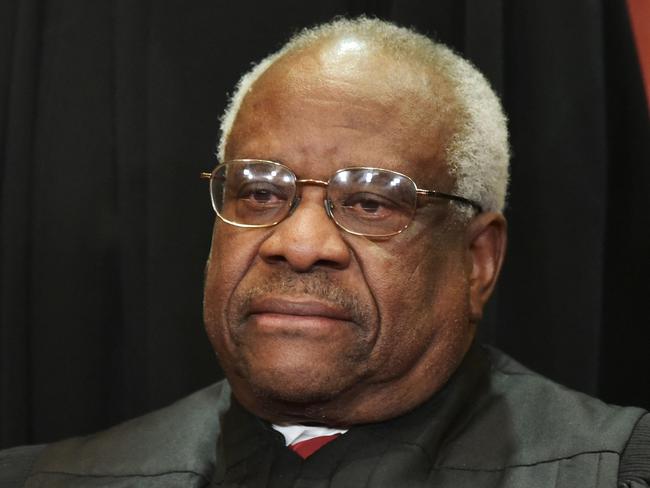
{"x":326,"y":108}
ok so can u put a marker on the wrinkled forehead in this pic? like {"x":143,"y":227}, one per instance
{"x":373,"y":91}
{"x":361,"y":72}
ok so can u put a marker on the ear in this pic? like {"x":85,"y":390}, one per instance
{"x":486,"y":244}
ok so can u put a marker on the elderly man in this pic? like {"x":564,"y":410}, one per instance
{"x":359,"y":235}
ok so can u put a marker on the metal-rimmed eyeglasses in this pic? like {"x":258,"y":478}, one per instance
{"x":363,"y":201}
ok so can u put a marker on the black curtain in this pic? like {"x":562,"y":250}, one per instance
{"x":109,"y":111}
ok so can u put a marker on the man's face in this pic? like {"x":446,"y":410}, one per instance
{"x":314,"y":324}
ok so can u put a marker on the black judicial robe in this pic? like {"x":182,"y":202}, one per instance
{"x":495,"y":424}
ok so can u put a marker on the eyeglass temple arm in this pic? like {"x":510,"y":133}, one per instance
{"x":448,"y":196}
{"x":205,"y":176}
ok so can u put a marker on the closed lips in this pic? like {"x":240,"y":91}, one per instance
{"x":294,"y":306}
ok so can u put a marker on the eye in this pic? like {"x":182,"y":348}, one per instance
{"x":368,"y":206}
{"x":262,"y":195}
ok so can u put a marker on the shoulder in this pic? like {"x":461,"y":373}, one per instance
{"x":522,"y":419}
{"x":530,"y":395}
{"x":16,"y":465}
{"x":173,"y":446}
{"x":570,"y":426}
{"x":554,"y":415}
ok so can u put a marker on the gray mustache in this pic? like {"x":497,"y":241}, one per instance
{"x":316,"y":284}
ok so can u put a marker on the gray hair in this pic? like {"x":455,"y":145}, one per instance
{"x":477,"y":155}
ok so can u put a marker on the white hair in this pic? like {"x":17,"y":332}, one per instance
{"x":477,"y":155}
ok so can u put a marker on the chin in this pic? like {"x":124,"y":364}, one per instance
{"x":296,"y":386}
{"x":296,"y":395}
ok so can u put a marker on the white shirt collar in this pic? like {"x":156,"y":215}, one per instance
{"x":299,"y":433}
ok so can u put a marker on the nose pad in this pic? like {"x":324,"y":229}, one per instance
{"x":328,"y":208}
{"x":294,"y":205}
{"x":326,"y":203}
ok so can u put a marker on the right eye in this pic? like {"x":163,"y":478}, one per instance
{"x":261,"y":196}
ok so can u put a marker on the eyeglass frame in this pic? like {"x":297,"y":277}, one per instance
{"x":327,"y":202}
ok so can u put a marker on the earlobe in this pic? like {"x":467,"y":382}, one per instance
{"x":486,"y":244}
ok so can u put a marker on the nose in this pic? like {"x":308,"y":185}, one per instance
{"x":307,"y":238}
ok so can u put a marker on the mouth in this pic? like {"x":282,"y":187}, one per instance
{"x":282,"y":313}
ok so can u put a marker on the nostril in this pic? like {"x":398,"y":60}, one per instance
{"x":328,"y":263}
{"x":303,"y":267}
{"x":275,"y":259}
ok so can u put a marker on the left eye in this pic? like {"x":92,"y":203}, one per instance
{"x":368,"y":206}
{"x":261,"y":196}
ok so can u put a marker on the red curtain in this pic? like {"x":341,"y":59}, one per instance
{"x":640,"y":20}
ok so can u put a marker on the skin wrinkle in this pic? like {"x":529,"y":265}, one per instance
{"x":432,"y":248}
{"x":316,"y":284}
{"x":270,"y":231}
{"x":384,"y":95}
{"x":383,"y":99}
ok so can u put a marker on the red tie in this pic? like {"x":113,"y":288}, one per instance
{"x":304,"y":449}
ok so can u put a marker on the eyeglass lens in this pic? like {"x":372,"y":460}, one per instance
{"x":367,"y":201}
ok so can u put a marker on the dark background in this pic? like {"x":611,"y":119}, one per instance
{"x":109,"y":111}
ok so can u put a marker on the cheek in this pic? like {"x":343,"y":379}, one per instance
{"x":422,"y":297}
{"x":231,"y":255}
